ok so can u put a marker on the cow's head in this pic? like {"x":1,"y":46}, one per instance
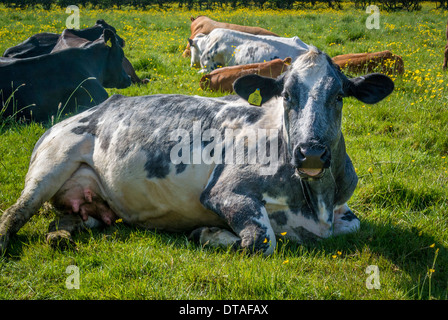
{"x":195,"y":50}
{"x":103,"y":25}
{"x":311,"y":93}
{"x":114,"y":76}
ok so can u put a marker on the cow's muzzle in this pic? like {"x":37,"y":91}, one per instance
{"x":311,"y":161}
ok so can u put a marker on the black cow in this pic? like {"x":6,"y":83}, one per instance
{"x":43,"y":43}
{"x":70,"y":79}
{"x":73,"y":39}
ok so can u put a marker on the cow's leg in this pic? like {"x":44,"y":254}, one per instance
{"x":252,"y":230}
{"x":345,"y":221}
{"x":245,"y":215}
{"x":61,"y":229}
{"x":51,"y":166}
{"x":39,"y":188}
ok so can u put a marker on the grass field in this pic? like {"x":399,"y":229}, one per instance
{"x":399,"y":148}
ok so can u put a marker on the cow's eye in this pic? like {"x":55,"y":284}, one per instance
{"x":339,"y":98}
{"x":286,"y":97}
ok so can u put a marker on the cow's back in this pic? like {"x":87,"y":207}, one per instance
{"x":223,"y":47}
{"x":36,"y":45}
{"x":223,"y":78}
{"x":69,"y":40}
{"x":205,"y":25}
{"x":385,"y":61}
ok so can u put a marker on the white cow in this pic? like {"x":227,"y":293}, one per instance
{"x":224,"y":47}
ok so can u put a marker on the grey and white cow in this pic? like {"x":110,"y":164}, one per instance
{"x":116,"y":160}
{"x":225,"y":47}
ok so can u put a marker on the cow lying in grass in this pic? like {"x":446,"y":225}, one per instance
{"x":46,"y":42}
{"x":385,"y":62}
{"x":165,"y":161}
{"x":224,"y":47}
{"x":205,"y":25}
{"x":53,"y":84}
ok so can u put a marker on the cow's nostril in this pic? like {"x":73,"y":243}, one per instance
{"x":312,"y":157}
{"x":312,"y":153}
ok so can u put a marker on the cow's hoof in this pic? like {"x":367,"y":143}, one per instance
{"x":60,"y":239}
{"x":214,"y":236}
{"x":196,"y":234}
{"x":345,"y":223}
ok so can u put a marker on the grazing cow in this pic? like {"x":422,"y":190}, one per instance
{"x":71,"y":79}
{"x":205,"y":25}
{"x":445,"y":59}
{"x":223,"y":78}
{"x":384,"y":61}
{"x":43,"y":43}
{"x":223,"y":47}
{"x":167,"y":161}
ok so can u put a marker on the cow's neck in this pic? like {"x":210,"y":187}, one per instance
{"x":94,"y":60}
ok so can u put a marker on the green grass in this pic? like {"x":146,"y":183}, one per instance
{"x":399,"y":148}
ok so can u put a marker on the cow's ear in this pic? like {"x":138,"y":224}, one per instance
{"x":109,"y":35}
{"x":370,"y":89}
{"x":247,"y":85}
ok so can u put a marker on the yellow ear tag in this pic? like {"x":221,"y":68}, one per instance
{"x":255,"y":98}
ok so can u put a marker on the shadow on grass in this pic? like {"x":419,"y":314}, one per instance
{"x":408,"y":250}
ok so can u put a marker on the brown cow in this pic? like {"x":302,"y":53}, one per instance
{"x":384,"y":61}
{"x":205,"y":25}
{"x":223,"y":78}
{"x":445,"y":60}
